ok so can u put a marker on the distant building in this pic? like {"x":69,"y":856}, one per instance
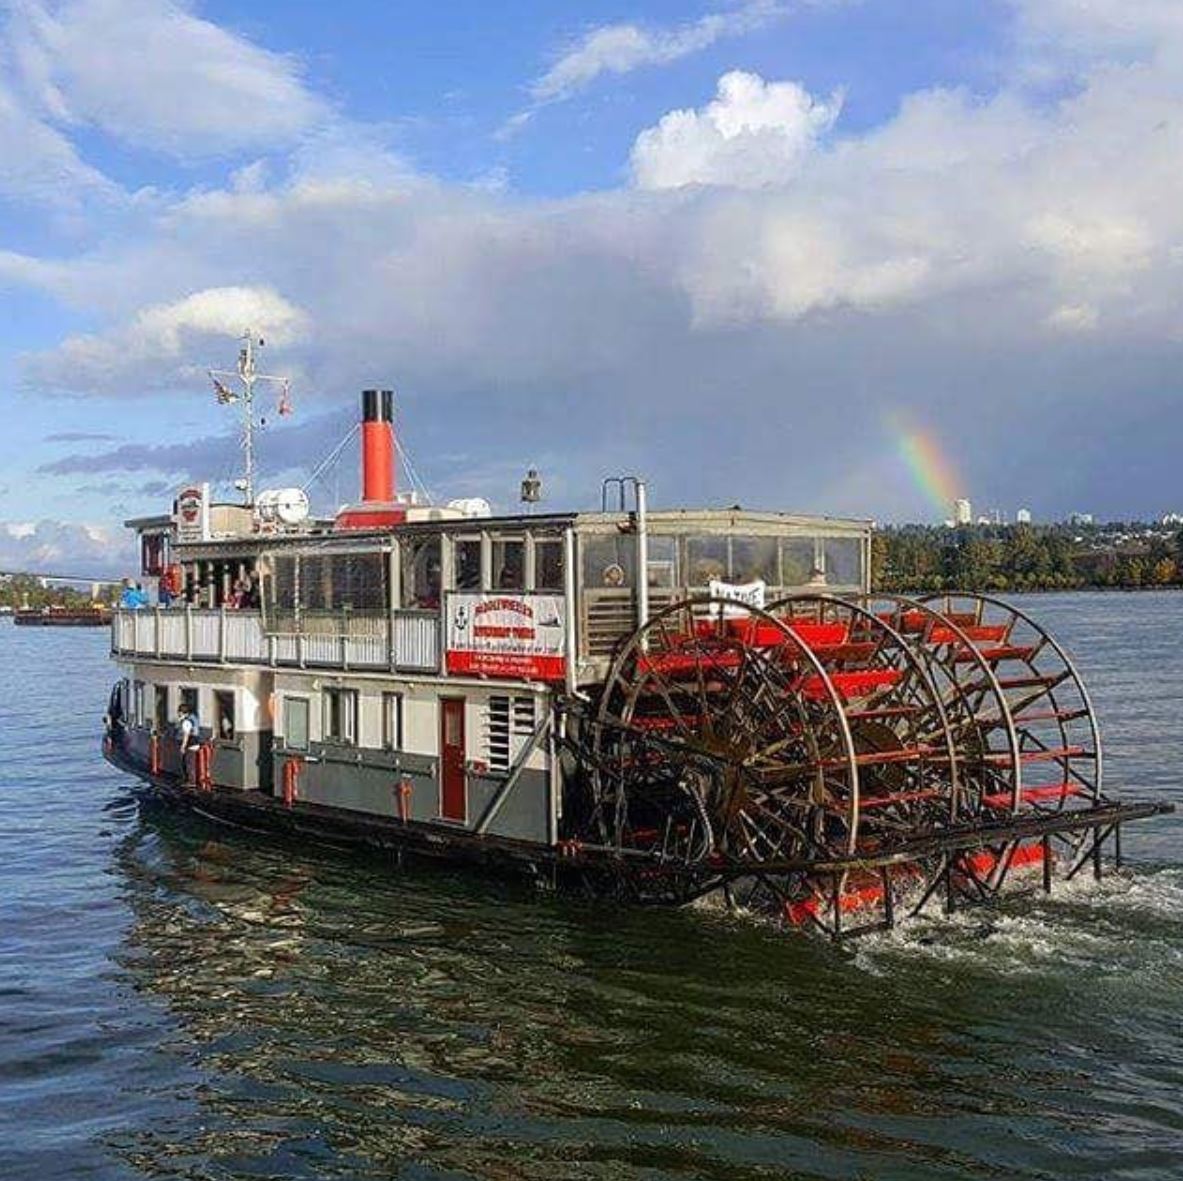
{"x":1080,"y":518}
{"x":1023,"y":517}
{"x":963,"y":513}
{"x":1172,"y":519}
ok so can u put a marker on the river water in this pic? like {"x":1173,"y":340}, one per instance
{"x":181,"y":1001}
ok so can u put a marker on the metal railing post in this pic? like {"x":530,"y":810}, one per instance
{"x":188,"y":631}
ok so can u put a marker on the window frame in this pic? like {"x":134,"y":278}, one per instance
{"x":297,"y":700}
{"x":393,"y":720}
{"x":348,"y":716}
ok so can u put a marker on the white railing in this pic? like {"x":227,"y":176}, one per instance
{"x":407,"y":640}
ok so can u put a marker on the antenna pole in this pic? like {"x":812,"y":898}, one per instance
{"x":246,"y":370}
{"x":248,"y":374}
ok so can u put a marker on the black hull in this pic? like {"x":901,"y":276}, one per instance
{"x":260,"y":812}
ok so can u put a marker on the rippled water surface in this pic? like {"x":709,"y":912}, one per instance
{"x":177,"y":1000}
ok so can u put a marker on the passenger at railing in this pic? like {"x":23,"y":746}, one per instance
{"x":133,"y":596}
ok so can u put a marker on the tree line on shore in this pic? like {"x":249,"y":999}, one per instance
{"x":1025,"y":557}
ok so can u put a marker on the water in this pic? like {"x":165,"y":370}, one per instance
{"x":179,"y":1001}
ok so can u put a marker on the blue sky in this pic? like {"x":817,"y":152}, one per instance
{"x":730,"y":244}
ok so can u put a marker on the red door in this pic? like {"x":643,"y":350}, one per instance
{"x":453,"y":789}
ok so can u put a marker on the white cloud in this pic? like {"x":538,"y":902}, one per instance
{"x":982,"y":260}
{"x":38,"y":163}
{"x":154,"y":75}
{"x":622,"y":48}
{"x":753,"y":133}
{"x":56,"y":547}
{"x":1073,"y":317}
{"x":158,"y":346}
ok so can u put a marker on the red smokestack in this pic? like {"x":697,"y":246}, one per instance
{"x":378,"y":508}
{"x":377,"y":447}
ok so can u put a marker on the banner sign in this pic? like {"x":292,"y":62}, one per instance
{"x":506,"y":635}
{"x":747,"y":594}
{"x":192,"y":514}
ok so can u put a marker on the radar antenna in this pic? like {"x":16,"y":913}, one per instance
{"x":247,"y":375}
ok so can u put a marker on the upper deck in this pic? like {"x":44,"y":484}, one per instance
{"x":538,"y":597}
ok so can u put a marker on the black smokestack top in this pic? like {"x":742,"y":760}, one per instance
{"x":377,"y":405}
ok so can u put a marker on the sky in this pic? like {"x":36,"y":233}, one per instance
{"x":840,"y":256}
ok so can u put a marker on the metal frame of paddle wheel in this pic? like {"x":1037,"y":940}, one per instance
{"x":831,"y":756}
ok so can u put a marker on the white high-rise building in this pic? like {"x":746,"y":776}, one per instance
{"x":963,"y":512}
{"x":1023,"y":517}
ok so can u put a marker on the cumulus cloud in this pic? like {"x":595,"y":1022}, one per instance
{"x":622,"y":48}
{"x":732,"y":324}
{"x":753,"y":133}
{"x":157,"y":346}
{"x":56,"y":547}
{"x":154,"y":75}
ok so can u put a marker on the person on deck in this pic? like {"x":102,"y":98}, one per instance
{"x":190,"y":731}
{"x":132,"y":597}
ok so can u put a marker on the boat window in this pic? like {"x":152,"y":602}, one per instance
{"x":706,"y":557}
{"x":160,"y":710}
{"x":609,"y":560}
{"x":548,"y":563}
{"x":844,"y":561}
{"x":797,"y":558}
{"x":509,"y":563}
{"x":332,"y":582}
{"x":421,"y":572}
{"x":295,"y":723}
{"x":754,"y":559}
{"x":224,"y":726}
{"x":189,"y":700}
{"x":392,"y":721}
{"x":137,"y":712}
{"x":663,"y":561}
{"x":467,"y":562}
{"x":340,"y":718}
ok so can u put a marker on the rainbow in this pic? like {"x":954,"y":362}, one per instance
{"x":928,"y":464}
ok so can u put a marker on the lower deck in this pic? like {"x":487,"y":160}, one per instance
{"x":456,"y":756}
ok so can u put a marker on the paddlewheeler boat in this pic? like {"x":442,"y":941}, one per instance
{"x":648,"y":706}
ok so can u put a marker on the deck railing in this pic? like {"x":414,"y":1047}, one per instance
{"x":402,"y":640}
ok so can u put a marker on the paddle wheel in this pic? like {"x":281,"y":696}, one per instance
{"x":835,"y":761}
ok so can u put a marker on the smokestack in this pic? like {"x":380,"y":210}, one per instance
{"x":378,"y":508}
{"x":377,"y":446}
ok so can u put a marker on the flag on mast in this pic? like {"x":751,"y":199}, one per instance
{"x":224,"y":394}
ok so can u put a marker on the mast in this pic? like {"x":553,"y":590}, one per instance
{"x":247,"y":375}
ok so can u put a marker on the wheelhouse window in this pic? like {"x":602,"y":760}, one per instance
{"x":467,"y":563}
{"x":392,"y":721}
{"x":340,"y":716}
{"x":509,"y":563}
{"x":754,"y":559}
{"x":421,"y":573}
{"x":798,"y":559}
{"x":843,"y":561}
{"x":663,"y":561}
{"x":707,"y":558}
{"x":548,"y":563}
{"x":295,"y":722}
{"x":609,"y":560}
{"x":224,"y":720}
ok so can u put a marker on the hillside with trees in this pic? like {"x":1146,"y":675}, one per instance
{"x":1026,"y":557}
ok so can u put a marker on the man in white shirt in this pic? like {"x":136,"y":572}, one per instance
{"x":190,"y":729}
